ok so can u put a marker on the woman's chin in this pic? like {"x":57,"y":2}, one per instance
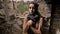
{"x":31,"y":13}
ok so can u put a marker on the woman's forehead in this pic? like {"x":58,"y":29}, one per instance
{"x":31,"y":5}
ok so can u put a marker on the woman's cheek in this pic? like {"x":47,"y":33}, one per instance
{"x":30,"y":11}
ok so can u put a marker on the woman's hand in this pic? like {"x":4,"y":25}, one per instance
{"x":29,"y":23}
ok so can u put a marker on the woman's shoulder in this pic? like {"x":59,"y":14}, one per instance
{"x":40,"y":15}
{"x":26,"y":15}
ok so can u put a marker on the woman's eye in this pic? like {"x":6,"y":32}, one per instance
{"x":31,"y":8}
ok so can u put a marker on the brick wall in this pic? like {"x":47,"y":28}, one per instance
{"x":56,"y":22}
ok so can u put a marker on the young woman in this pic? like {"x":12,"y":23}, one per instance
{"x":33,"y":21}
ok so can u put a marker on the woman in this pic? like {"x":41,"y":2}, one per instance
{"x":33,"y":21}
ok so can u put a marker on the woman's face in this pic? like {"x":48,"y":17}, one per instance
{"x":31,"y":8}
